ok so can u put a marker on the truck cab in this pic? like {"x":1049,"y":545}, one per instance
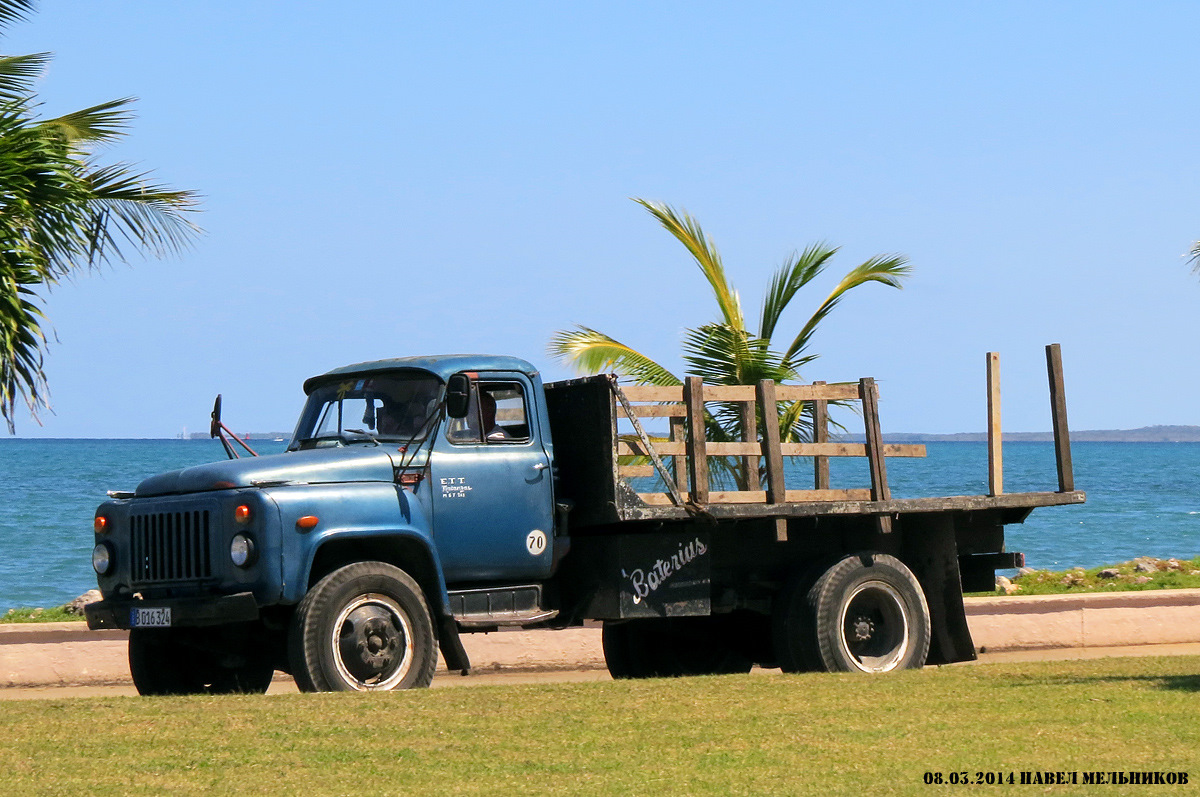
{"x":216,"y":566}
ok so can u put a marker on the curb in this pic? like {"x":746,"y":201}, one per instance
{"x":68,"y":654}
{"x":1151,"y":617}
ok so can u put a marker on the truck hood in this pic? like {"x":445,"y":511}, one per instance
{"x":351,"y":464}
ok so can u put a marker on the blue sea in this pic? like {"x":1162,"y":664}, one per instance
{"x":1143,"y":500}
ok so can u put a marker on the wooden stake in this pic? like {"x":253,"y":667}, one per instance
{"x":995,"y":452}
{"x":770,"y":442}
{"x":693,"y":397}
{"x":750,"y":435}
{"x":1058,"y":413}
{"x":820,"y":435}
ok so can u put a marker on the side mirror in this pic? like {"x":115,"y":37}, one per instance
{"x":214,"y":429}
{"x":458,"y":396}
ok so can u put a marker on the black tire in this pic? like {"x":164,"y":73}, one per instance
{"x":363,"y":627}
{"x":183,"y":661}
{"x":671,"y":647}
{"x":866,"y":613}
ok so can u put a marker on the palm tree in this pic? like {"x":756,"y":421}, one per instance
{"x":726,"y":351}
{"x":61,"y":212}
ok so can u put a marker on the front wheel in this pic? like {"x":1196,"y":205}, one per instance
{"x":866,"y":613}
{"x":364,"y":627}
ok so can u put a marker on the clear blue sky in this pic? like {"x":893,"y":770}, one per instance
{"x":392,"y":178}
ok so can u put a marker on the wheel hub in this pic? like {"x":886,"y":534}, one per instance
{"x":863,"y":628}
{"x":371,"y":642}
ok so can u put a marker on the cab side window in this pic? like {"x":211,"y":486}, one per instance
{"x":496,"y":414}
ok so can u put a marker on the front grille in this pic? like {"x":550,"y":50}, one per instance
{"x":171,"y":546}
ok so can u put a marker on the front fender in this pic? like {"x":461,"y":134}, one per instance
{"x":371,"y":520}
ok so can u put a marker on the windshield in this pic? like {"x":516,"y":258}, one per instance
{"x":395,"y":407}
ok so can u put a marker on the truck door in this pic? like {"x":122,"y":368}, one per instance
{"x":493,"y":495}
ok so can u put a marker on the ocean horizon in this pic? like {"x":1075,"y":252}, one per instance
{"x":1141,"y":499}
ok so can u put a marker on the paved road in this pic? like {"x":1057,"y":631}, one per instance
{"x":284,"y":685}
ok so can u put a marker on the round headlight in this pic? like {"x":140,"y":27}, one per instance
{"x":241,"y":550}
{"x":102,"y":558}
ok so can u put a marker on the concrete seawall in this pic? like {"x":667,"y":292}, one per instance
{"x":53,"y":654}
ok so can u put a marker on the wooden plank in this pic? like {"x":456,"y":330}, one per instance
{"x":995,"y":441}
{"x":772,"y":454}
{"x":836,"y":392}
{"x":693,"y":397}
{"x":653,"y":393}
{"x":760,"y":496}
{"x":876,"y":462}
{"x":667,"y":449}
{"x":874,"y":436}
{"x":634,"y":471}
{"x":626,"y":448}
{"x":679,"y":435}
{"x":738,"y":497}
{"x":1058,"y":416}
{"x":849,"y":449}
{"x":656,"y":499}
{"x":729,"y":393}
{"x":800,"y":496}
{"x":817,"y":391}
{"x":750,"y":435}
{"x":660,"y":410}
{"x":821,"y":435}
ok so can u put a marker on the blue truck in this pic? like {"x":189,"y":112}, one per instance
{"x":423,"y":498}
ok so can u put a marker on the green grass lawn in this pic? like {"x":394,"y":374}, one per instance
{"x":751,"y":735}
{"x":1153,"y":574}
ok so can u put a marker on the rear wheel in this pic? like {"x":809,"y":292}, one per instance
{"x":866,"y":613}
{"x":671,"y":647}
{"x":364,"y":627}
{"x":188,"y":661}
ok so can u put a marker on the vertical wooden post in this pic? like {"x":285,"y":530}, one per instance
{"x":772,"y":453}
{"x":750,"y":435}
{"x":679,"y":435}
{"x":880,"y":491}
{"x":995,"y":450}
{"x":1058,"y":413}
{"x":697,"y":449}
{"x":820,"y":435}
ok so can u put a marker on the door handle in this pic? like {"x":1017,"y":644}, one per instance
{"x":540,"y":466}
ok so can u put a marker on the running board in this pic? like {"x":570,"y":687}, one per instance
{"x":499,"y":606}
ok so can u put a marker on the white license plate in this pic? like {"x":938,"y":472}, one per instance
{"x":159,"y":617}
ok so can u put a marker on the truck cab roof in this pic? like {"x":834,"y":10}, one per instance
{"x":441,"y":365}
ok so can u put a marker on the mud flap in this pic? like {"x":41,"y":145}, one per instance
{"x":931,"y":552}
{"x":451,"y":646}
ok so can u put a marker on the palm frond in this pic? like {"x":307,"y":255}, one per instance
{"x":12,"y":11}
{"x":890,"y":270}
{"x":21,"y":341}
{"x":149,"y":216}
{"x":593,"y":352}
{"x":100,"y":124}
{"x":688,"y":232}
{"x":17,"y":74}
{"x":1194,"y":258}
{"x":788,"y":280}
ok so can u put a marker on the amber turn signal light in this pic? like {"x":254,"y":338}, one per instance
{"x":100,"y":524}
{"x":242,"y":513}
{"x":307,"y":523}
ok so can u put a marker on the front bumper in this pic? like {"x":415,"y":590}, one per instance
{"x":217,"y":610}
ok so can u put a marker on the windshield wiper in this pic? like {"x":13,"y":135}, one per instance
{"x":346,"y":439}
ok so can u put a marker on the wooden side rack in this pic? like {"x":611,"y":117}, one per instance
{"x":762,"y":452}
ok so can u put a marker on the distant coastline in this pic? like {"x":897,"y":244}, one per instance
{"x":1146,"y":434}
